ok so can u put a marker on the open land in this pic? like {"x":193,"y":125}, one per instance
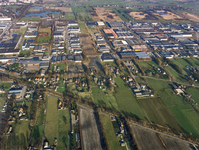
{"x":105,"y":15}
{"x":89,"y":130}
{"x":148,"y":139}
{"x":181,"y":110}
{"x":87,"y":45}
{"x":112,"y":139}
{"x":168,"y":15}
{"x":138,"y":15}
{"x":63,"y":9}
{"x":51,"y":125}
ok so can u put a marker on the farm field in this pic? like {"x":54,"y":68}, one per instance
{"x":89,"y":130}
{"x":112,"y":139}
{"x":177,"y":106}
{"x":126,"y":101}
{"x":51,"y":126}
{"x":148,"y":139}
{"x":63,"y":129}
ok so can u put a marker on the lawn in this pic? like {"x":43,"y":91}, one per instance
{"x":112,"y":139}
{"x":101,"y":99}
{"x":61,"y":88}
{"x":63,"y":129}
{"x":68,"y":16}
{"x":44,"y":39}
{"x":51,"y":126}
{"x":126,"y":101}
{"x":82,"y":27}
{"x":182,"y":111}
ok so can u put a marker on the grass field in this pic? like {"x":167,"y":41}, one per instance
{"x":68,"y":16}
{"x":61,"y":88}
{"x":62,"y":67}
{"x":31,"y":18}
{"x":177,"y":77}
{"x":82,"y":13}
{"x":44,"y":39}
{"x":112,"y":139}
{"x":51,"y":126}
{"x":127,"y":102}
{"x":194,"y":93}
{"x":104,"y":100}
{"x":24,"y":53}
{"x":82,"y":27}
{"x":22,"y":127}
{"x":63,"y":129}
{"x":6,"y":87}
{"x":182,"y":111}
{"x":37,"y":131}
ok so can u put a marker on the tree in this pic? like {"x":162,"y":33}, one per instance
{"x":64,"y":119}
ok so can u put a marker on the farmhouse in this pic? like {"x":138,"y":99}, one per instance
{"x":179,"y":91}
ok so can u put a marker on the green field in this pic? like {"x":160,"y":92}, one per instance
{"x":112,"y":139}
{"x":68,"y":16}
{"x":82,"y":13}
{"x":182,"y":111}
{"x":101,"y":99}
{"x":51,"y":126}
{"x":61,"y":88}
{"x":44,"y":39}
{"x":31,"y":18}
{"x":3,"y":97}
{"x":37,"y":131}
{"x":24,"y":53}
{"x":63,"y":129}
{"x":176,"y":76}
{"x":152,"y":113}
{"x":22,"y":127}
{"x":126,"y":101}
{"x":62,"y":67}
{"x":82,"y":27}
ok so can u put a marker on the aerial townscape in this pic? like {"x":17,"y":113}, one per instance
{"x":99,"y":75}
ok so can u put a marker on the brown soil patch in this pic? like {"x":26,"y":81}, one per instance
{"x":168,"y":15}
{"x":138,"y":15}
{"x":191,"y":17}
{"x":105,"y":15}
{"x":63,"y":9}
{"x":43,"y":33}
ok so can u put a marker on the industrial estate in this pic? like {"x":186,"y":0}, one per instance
{"x":99,"y":75}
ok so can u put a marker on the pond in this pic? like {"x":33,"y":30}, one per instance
{"x":42,"y":14}
{"x":36,"y":7}
{"x":161,"y":13}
